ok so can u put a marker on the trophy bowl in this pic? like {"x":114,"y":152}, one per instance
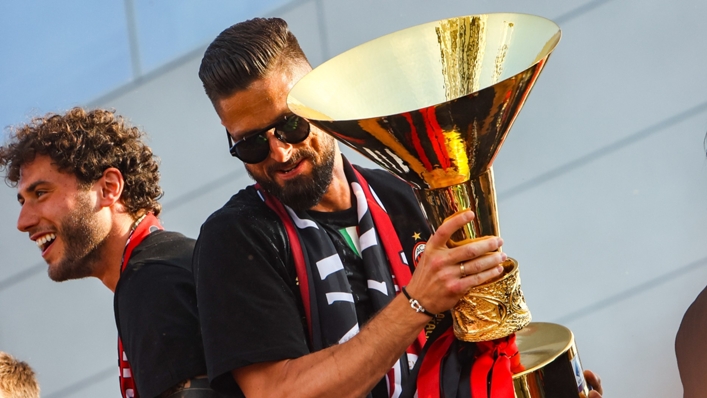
{"x":433,"y":104}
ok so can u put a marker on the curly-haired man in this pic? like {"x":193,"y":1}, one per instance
{"x":17,"y":379}
{"x":89,"y":190}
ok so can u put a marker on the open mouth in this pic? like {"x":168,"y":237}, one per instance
{"x":45,"y":241}
{"x":291,"y":167}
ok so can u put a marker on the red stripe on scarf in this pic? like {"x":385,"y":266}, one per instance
{"x":391,"y":245}
{"x":136,"y":237}
{"x":297,"y":254}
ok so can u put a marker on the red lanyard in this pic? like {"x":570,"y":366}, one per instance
{"x":144,"y":227}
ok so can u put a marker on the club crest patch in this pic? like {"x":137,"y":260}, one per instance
{"x":417,"y":251}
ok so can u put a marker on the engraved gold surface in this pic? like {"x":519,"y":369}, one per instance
{"x":492,"y":310}
{"x":433,"y":105}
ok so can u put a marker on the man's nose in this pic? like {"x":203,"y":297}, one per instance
{"x":280,"y":150}
{"x":27,"y":218}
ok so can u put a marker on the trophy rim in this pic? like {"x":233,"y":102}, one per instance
{"x":547,"y":330}
{"x":311,"y":114}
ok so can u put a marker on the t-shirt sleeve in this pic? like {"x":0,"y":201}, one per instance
{"x":159,"y":326}
{"x":248,"y":310}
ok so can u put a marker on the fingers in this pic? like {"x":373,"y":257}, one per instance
{"x":482,"y":269}
{"x":474,"y":262}
{"x":594,"y":381}
{"x":473,"y":249}
{"x":439,"y":279}
{"x":449,"y":227}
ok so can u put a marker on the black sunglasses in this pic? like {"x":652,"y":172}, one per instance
{"x":255,"y":147}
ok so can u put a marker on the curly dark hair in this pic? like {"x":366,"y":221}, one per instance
{"x":86,"y":143}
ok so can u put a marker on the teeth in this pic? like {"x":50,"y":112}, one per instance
{"x":41,"y":242}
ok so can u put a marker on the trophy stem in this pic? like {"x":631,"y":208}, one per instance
{"x":497,"y":308}
{"x":478,"y":194}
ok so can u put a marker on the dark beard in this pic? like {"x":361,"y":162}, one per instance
{"x":83,"y":243}
{"x":304,"y":192}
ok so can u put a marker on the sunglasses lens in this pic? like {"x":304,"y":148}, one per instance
{"x":256,"y":148}
{"x":253,"y":150}
{"x":295,"y":129}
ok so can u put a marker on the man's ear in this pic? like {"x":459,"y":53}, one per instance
{"x":110,"y":187}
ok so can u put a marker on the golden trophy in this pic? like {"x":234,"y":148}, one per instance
{"x":433,"y":104}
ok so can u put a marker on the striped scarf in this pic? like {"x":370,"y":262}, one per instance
{"x":324,"y":287}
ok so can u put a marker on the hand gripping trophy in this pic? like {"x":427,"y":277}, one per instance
{"x":433,"y":105}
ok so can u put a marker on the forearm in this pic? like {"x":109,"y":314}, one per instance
{"x":350,"y":369}
{"x":353,"y":368}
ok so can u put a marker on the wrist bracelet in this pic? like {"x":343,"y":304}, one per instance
{"x":416,"y":304}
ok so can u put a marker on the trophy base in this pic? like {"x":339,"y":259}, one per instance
{"x":550,"y":364}
{"x":493,"y":310}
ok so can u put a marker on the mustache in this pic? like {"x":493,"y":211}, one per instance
{"x":296,"y":158}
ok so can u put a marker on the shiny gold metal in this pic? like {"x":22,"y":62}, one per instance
{"x":493,"y":310}
{"x":551,"y":366}
{"x":433,"y":105}
{"x":477,"y":194}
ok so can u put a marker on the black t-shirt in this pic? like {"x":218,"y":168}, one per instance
{"x":249,"y":302}
{"x":333,"y":223}
{"x":156,"y":314}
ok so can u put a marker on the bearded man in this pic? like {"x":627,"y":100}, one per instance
{"x":89,"y":190}
{"x":298,"y":276}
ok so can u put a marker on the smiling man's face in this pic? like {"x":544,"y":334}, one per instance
{"x":61,"y":217}
{"x":297,"y":174}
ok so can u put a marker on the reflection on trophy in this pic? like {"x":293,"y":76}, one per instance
{"x":433,"y":105}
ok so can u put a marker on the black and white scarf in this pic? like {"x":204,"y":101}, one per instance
{"x":325,"y":289}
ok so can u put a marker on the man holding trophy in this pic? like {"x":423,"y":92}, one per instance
{"x":313,"y":282}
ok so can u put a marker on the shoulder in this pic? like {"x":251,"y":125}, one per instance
{"x":163,"y":247}
{"x":157,"y":281}
{"x":694,"y":322}
{"x":244,"y":228}
{"x":160,"y":261}
{"x":245,"y":208}
{"x":691,"y":347}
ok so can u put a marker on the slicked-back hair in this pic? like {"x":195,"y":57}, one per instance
{"x":17,"y":379}
{"x":246,"y":52}
{"x":85,"y":144}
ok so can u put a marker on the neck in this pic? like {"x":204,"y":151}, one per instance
{"x":112,"y":255}
{"x":338,"y":196}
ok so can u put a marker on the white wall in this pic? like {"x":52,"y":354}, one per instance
{"x":601,"y":185}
